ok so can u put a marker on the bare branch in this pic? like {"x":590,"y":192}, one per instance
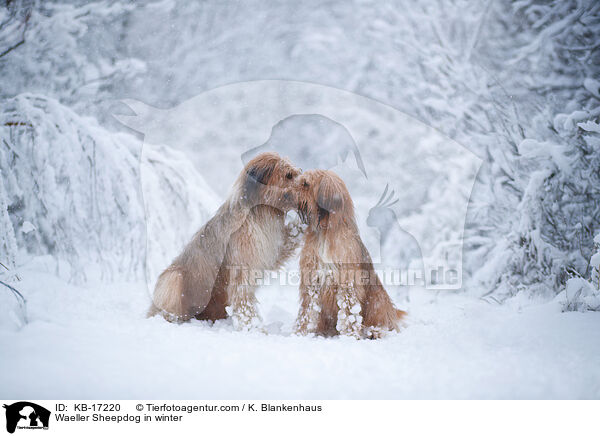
{"x":22,"y":41}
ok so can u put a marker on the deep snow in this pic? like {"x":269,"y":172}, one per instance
{"x":94,"y":342}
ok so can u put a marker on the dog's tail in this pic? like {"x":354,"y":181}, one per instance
{"x":169,"y":297}
{"x":400,"y":316}
{"x":379,"y":310}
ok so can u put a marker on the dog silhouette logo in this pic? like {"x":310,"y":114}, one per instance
{"x":366,"y":142}
{"x":26,"y":415}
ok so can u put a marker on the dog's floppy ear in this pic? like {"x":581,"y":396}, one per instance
{"x":258,"y":173}
{"x":330,"y":201}
{"x":330,"y":195}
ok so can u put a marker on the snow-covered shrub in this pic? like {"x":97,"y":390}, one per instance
{"x":533,"y":225}
{"x":580,"y":294}
{"x":595,"y":264}
{"x":74,"y":190}
{"x":76,"y":184}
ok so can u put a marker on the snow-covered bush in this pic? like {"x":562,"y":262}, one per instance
{"x":74,"y":190}
{"x":74,"y":183}
{"x":543,"y":179}
{"x":581,"y":294}
{"x":595,"y":264}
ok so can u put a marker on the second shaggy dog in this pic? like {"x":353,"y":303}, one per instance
{"x":340,"y":292}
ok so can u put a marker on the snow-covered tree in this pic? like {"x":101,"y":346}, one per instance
{"x":536,"y":227}
{"x":69,"y":51}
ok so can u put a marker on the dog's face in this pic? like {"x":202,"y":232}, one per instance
{"x":269,"y":179}
{"x":323,"y":199}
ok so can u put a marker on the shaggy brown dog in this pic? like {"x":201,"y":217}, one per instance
{"x":248,"y":234}
{"x":340,"y":292}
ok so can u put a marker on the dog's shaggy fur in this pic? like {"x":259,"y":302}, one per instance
{"x":340,"y":292}
{"x":212,"y":277}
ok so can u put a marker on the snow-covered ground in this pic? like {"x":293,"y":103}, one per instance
{"x":95,"y":342}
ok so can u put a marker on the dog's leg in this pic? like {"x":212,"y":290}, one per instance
{"x":349,"y":319}
{"x":243,"y":307}
{"x":216,"y":307}
{"x":310,"y":305}
{"x":311,"y":283}
{"x":292,"y":237}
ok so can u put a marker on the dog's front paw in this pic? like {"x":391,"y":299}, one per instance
{"x":374,"y":332}
{"x":295,"y":228}
{"x":304,"y":328}
{"x":245,"y":319}
{"x":349,"y":320}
